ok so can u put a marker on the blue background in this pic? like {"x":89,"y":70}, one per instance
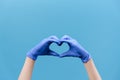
{"x":94,"y":23}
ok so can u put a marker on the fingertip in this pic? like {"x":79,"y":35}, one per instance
{"x":56,"y":55}
{"x":63,"y":55}
{"x":66,"y":37}
{"x":53,"y":37}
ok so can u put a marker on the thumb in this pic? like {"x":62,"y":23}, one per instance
{"x":53,"y":53}
{"x":67,"y":54}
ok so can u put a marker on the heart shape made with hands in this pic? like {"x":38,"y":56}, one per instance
{"x":60,"y":49}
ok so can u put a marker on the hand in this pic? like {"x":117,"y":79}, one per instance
{"x":76,"y":50}
{"x":43,"y":48}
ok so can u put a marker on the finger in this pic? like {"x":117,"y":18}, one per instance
{"x":67,"y":39}
{"x":54,"y":39}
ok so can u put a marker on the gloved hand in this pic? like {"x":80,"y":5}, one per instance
{"x":43,"y":48}
{"x":75,"y":50}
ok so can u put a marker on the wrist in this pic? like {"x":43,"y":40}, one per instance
{"x":32,"y":56}
{"x":86,"y":58}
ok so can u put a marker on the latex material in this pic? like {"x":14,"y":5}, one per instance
{"x":75,"y":50}
{"x":43,"y":48}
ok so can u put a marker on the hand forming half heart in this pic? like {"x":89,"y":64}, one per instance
{"x":75,"y":49}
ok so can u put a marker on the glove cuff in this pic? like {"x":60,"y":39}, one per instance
{"x":33,"y":57}
{"x":86,"y":59}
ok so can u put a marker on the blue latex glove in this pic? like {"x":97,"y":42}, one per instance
{"x":75,"y":50}
{"x":43,"y":48}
